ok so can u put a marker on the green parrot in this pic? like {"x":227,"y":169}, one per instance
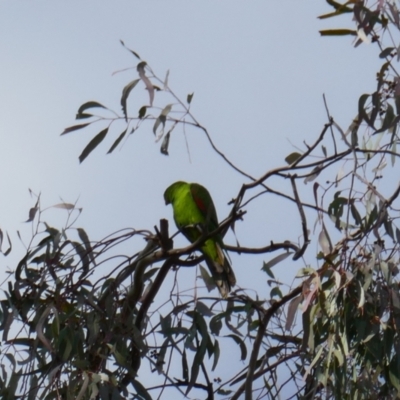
{"x":194,"y":213}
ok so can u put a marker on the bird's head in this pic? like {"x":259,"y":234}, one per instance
{"x":170,"y":192}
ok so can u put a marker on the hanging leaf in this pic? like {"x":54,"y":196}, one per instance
{"x":189,"y":98}
{"x":203,"y":309}
{"x":93,"y":144}
{"x":185,"y":367}
{"x":142,"y":112}
{"x":117,"y":142}
{"x":362,"y":114}
{"x":149,"y":86}
{"x":389,"y":120}
{"x":276,"y":260}
{"x":356,"y":215}
{"x":292,"y":310}
{"x":242,"y":346}
{"x":267,"y":269}
{"x":216,"y":325}
{"x":133,"y":52}
{"x":8,"y":251}
{"x":74,"y":128}
{"x":208,"y":280}
{"x":166,"y":80}
{"x":354,"y":138}
{"x":216,"y":355}
{"x":361,"y":294}
{"x":165,"y":144}
{"x":125,"y":93}
{"x":324,"y":242}
{"x":162,"y":118}
{"x":276,"y":292}
{"x":32,"y":213}
{"x":314,"y":174}
{"x":141,"y":390}
{"x":393,"y":156}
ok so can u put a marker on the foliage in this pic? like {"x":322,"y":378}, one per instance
{"x":70,"y":331}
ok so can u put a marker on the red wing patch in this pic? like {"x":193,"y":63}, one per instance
{"x":200,"y":204}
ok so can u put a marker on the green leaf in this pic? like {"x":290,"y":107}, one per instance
{"x":208,"y":280}
{"x":83,"y":254}
{"x":117,"y":142}
{"x":388,"y":227}
{"x":141,"y":69}
{"x":125,"y":93}
{"x":389,"y":119}
{"x":83,"y":116}
{"x":74,"y":128}
{"x":13,"y":385}
{"x":276,"y":292}
{"x":141,"y":390}
{"x":239,"y":341}
{"x":397,"y":103}
{"x":216,"y":325}
{"x":93,"y":144}
{"x":217,"y":352}
{"x":354,"y":138}
{"x":291,"y":158}
{"x":276,"y":260}
{"x":291,"y":311}
{"x":87,"y":105}
{"x":387,"y":52}
{"x":162,"y":118}
{"x":362,"y":114}
{"x":142,"y":112}
{"x":203,"y":309}
{"x":372,"y":217}
{"x":394,"y":371}
{"x":166,"y":80}
{"x":325,"y":241}
{"x":165,"y":144}
{"x":381,"y":76}
{"x":197,"y":362}
{"x":338,"y":32}
{"x":339,"y":9}
{"x":165,"y":323}
{"x":267,"y":269}
{"x":149,"y":274}
{"x":34,"y":388}
{"x":185,"y":367}
{"x":133,"y":52}
{"x":161,"y":356}
{"x":86,"y":242}
{"x":189,"y":98}
{"x":356,"y":215}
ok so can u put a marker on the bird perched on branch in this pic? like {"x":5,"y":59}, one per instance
{"x":195,"y":216}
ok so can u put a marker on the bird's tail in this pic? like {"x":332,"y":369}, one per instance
{"x":222,"y":273}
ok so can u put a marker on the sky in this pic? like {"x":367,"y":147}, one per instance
{"x":258,"y":72}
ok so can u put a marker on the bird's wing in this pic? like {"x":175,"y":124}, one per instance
{"x":204,"y":203}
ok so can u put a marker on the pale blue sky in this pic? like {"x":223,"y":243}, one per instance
{"x":257,"y":69}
